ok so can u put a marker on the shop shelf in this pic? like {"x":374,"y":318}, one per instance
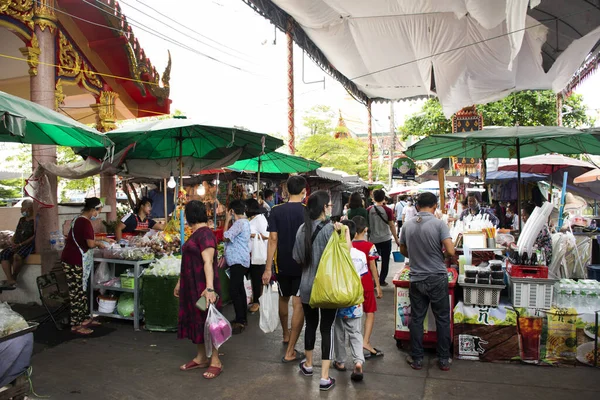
{"x":531,"y":292}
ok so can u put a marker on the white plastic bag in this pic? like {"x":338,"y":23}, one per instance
{"x":269,"y":308}
{"x":248,"y":289}
{"x":217,"y":330}
{"x":101,"y":273}
{"x":259,"y":250}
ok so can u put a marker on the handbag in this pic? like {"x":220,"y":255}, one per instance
{"x":258,"y":250}
{"x":87,"y":258}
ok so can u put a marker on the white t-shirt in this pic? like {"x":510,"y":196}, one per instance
{"x":399,"y":208}
{"x":409,"y":212}
{"x":360,"y":261}
{"x":259,"y":224}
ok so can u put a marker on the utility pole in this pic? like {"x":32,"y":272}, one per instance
{"x":393,"y":137}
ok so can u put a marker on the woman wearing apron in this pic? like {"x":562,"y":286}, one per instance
{"x":77,"y":262}
{"x":139,"y":220}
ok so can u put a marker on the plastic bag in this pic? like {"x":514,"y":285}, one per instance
{"x":248,"y":290}
{"x":259,"y":250}
{"x":10,"y":321}
{"x":269,"y":308}
{"x":101,"y":273}
{"x":217,"y":330}
{"x":337,"y":284}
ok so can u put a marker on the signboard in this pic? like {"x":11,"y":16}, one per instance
{"x":404,"y":169}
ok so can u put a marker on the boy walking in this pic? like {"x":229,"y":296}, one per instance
{"x":370,"y":282}
{"x":348,"y":320}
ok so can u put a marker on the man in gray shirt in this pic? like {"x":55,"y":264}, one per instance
{"x":421,"y":241}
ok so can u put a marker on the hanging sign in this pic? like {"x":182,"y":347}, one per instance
{"x":404,"y":169}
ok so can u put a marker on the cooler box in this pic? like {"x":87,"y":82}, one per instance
{"x":402,"y":310}
{"x":161,"y":307}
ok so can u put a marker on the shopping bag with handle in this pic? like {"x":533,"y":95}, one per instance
{"x":217,"y":330}
{"x":337,"y":283}
{"x":269,"y":308}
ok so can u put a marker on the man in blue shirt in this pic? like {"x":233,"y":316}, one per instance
{"x":237,"y":255}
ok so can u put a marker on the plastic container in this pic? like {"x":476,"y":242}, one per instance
{"x":531,"y":292}
{"x":398,"y":257}
{"x":127,"y":282}
{"x":495,"y":265}
{"x":527,"y":271}
{"x":106,"y":304}
{"x":593,"y":272}
{"x":470,"y":271}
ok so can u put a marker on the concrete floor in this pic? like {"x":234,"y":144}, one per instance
{"x":144,"y":365}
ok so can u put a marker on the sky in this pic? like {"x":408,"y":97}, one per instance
{"x":254,"y":93}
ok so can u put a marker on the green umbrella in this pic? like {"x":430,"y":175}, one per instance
{"x":276,"y":163}
{"x":507,"y":142}
{"x":22,"y":121}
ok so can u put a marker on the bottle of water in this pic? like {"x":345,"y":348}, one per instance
{"x":53,"y":239}
{"x":60,"y":242}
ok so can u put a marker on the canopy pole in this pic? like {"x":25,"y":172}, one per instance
{"x":551,"y":184}
{"x":216,"y":202}
{"x":518,"y":144}
{"x":563,"y":195}
{"x":258,"y":178}
{"x":179,"y":193}
{"x":442,"y":185}
{"x":290,"y":85}
{"x":165,"y":199}
{"x":370,"y":139}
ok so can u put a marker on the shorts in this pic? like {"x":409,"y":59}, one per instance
{"x":289,"y":285}
{"x":370,"y":304}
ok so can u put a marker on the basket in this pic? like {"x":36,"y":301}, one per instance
{"x":531,"y":292}
{"x":528,"y":271}
{"x":161,"y":308}
{"x":127,"y":282}
{"x":481,"y":295}
{"x":398,"y":257}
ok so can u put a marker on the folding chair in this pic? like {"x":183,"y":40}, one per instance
{"x":51,"y":296}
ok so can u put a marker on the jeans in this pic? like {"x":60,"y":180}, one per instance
{"x":238,"y":292}
{"x":434,"y":290}
{"x":256,"y":272}
{"x":384,"y":249}
{"x":327,"y":317}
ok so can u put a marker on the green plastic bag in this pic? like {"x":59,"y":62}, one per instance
{"x":337,"y":284}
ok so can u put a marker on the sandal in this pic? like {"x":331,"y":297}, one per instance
{"x":298,"y":356}
{"x":92,"y":323}
{"x":82,"y":331}
{"x":339,"y":366}
{"x":214,"y":371}
{"x":193,"y":365}
{"x":357,"y":376}
{"x":376,"y":353}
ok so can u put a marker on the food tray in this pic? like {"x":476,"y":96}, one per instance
{"x":481,"y":295}
{"x":531,"y":292}
{"x":32,"y":327}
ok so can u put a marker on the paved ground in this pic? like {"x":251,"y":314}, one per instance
{"x":144,"y":365}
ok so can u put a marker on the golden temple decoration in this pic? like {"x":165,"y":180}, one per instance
{"x":59,"y":95}
{"x":21,"y":10}
{"x":106,"y":113}
{"x":73,"y":69}
{"x":32,"y":52}
{"x":44,"y":15}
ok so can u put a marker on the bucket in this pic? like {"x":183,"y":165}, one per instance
{"x":106,"y":304}
{"x":593,"y":272}
{"x":398,"y":257}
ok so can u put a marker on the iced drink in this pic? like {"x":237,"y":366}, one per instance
{"x":530,"y":331}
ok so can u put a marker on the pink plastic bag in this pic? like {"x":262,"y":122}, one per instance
{"x":217,"y":330}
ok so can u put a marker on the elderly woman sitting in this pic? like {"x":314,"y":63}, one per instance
{"x":21,"y":244}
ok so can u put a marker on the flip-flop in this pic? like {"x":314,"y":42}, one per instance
{"x":82,"y":331}
{"x":93,"y":323}
{"x":336,"y":365}
{"x":357,"y":376}
{"x":193,"y":365}
{"x":377,"y":353}
{"x":299,"y":356}
{"x":215,"y":371}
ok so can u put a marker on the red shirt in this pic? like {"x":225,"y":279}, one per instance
{"x":366,"y":247}
{"x":83,"y":231}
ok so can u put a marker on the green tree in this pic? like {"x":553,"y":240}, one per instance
{"x":526,"y":108}
{"x":318,"y":120}
{"x":349,"y":155}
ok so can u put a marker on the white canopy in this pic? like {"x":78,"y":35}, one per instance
{"x":463,"y":51}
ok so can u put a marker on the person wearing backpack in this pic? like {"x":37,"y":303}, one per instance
{"x":381,"y":230}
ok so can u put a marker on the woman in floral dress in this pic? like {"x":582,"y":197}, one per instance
{"x":199,"y":277}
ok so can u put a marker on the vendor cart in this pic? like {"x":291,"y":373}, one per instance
{"x":402,"y":310}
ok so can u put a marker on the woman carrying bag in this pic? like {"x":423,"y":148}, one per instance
{"x":311,"y":240}
{"x":78,"y":259}
{"x":258,"y":249}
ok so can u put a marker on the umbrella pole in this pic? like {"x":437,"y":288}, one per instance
{"x":258,"y":178}
{"x":519,"y":182}
{"x":216,"y":202}
{"x":181,"y":226}
{"x":165,"y":199}
{"x":551,"y":184}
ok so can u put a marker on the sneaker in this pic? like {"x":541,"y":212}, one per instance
{"x":444,"y":364}
{"x":415,"y":363}
{"x":305,"y":371}
{"x":327,"y":386}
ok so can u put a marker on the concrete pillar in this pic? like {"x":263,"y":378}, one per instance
{"x":106,"y":117}
{"x":42,"y":92}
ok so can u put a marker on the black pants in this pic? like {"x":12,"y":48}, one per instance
{"x":237,"y":292}
{"x":399,"y":225}
{"x":384,"y":249}
{"x":434,"y":290}
{"x":311,"y":316}
{"x":256,"y":272}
